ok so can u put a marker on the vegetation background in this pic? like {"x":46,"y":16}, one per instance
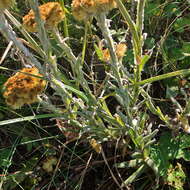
{"x":104,"y":132}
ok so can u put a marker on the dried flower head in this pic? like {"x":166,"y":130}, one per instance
{"x":5,"y":4}
{"x":51,"y":13}
{"x":83,"y":9}
{"x":23,"y":88}
{"x":120,"y":52}
{"x":105,"y":5}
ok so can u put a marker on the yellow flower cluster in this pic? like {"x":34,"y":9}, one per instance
{"x":83,"y":9}
{"x":22,"y":88}
{"x":51,"y":13}
{"x":5,"y":4}
{"x":120,"y":52}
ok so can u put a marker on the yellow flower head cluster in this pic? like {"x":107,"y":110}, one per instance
{"x":120,"y":52}
{"x":23,"y":88}
{"x":51,"y":13}
{"x":4,"y":4}
{"x":83,"y":9}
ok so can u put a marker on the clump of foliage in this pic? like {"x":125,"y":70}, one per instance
{"x":116,"y":95}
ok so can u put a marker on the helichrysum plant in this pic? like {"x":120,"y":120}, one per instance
{"x":83,"y":100}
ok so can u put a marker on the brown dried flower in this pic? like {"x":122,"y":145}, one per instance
{"x":120,"y":52}
{"x":22,"y":88}
{"x":51,"y":13}
{"x":4,"y":4}
{"x":83,"y":9}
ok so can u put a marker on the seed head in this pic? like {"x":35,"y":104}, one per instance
{"x":51,"y":13}
{"x":22,"y":88}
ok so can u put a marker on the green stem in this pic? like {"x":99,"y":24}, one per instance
{"x":67,"y":50}
{"x":44,"y":38}
{"x":65,"y":28}
{"x":129,"y":22}
{"x":60,"y":88}
{"x":41,"y":29}
{"x":135,"y":174}
{"x":140,"y":16}
{"x":84,"y":43}
{"x":103,"y":24}
{"x":139,"y":42}
{"x":137,"y":39}
{"x":163,"y":76}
